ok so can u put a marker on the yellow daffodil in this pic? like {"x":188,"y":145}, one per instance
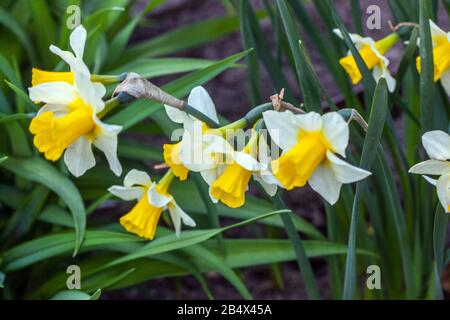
{"x":310,"y":143}
{"x":441,"y":56}
{"x":372,"y":52}
{"x":437,"y":146}
{"x":153,"y":198}
{"x":68,"y":122}
{"x":189,"y":154}
{"x":235,"y":173}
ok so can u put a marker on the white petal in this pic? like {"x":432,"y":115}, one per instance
{"x":213,"y":199}
{"x":436,"y":31}
{"x":200,"y":100}
{"x":379,"y":72}
{"x":246,"y":161}
{"x":76,"y":65}
{"x":177,"y":215}
{"x":336,"y":131}
{"x":345,"y":172}
{"x":437,"y":144}
{"x":217,"y":144}
{"x":193,"y":152}
{"x":357,"y":40}
{"x":323,"y":182}
{"x":137,"y":177}
{"x":58,"y":110}
{"x":77,"y":41}
{"x":79,"y":157}
{"x":209,"y":175}
{"x":282,"y":128}
{"x":431,"y":167}
{"x":127,"y":193}
{"x":443,"y":191}
{"x":53,"y":92}
{"x":269,"y":188}
{"x":157,"y":199}
{"x":445,"y":81}
{"x":430,"y":180}
{"x":176,"y":115}
{"x":312,"y":121}
{"x":106,"y":141}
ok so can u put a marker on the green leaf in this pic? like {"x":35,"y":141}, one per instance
{"x":76,"y":295}
{"x":15,"y":116}
{"x":311,"y":95}
{"x":182,"y":38}
{"x":11,"y":24}
{"x":427,"y":69}
{"x":378,"y":113}
{"x":40,"y":171}
{"x":42,"y":17}
{"x":300,"y":253}
{"x":23,"y":218}
{"x":439,"y":236}
{"x":187,"y":238}
{"x":43,"y":248}
{"x":22,"y":95}
{"x":155,"y":67}
{"x":216,"y":263}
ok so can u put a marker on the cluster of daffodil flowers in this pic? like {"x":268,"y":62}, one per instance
{"x":436,"y":143}
{"x":313,"y":145}
{"x":69,"y":123}
{"x":373,"y":53}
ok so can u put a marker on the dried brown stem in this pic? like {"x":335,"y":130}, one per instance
{"x":138,"y":87}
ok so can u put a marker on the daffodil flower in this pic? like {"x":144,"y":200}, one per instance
{"x":235,"y":172}
{"x":437,"y":146}
{"x":189,"y":154}
{"x":372,"y":52}
{"x":441,"y":56}
{"x":77,"y":42}
{"x":68,"y":121}
{"x":310,"y":144}
{"x":153,"y":198}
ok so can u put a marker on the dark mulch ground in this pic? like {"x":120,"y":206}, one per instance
{"x":228,"y":90}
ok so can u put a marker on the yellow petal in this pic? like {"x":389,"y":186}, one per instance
{"x":143,"y":219}
{"x":172,"y":158}
{"x":40,"y":76}
{"x":441,"y":59}
{"x":230,"y":187}
{"x":295,"y":167}
{"x":53,"y":136}
{"x":369,"y":56}
{"x":350,"y":66}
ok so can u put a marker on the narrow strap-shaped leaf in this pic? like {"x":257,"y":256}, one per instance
{"x":300,"y":254}
{"x":426,"y":69}
{"x":40,"y":171}
{"x":311,"y":95}
{"x":439,"y":236}
{"x":377,"y":120}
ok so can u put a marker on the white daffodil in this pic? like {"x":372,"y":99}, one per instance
{"x":235,"y":171}
{"x":153,"y":198}
{"x":310,"y":143}
{"x":441,"y":56}
{"x":189,"y":153}
{"x":68,"y":120}
{"x":437,"y":146}
{"x":372,"y":52}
